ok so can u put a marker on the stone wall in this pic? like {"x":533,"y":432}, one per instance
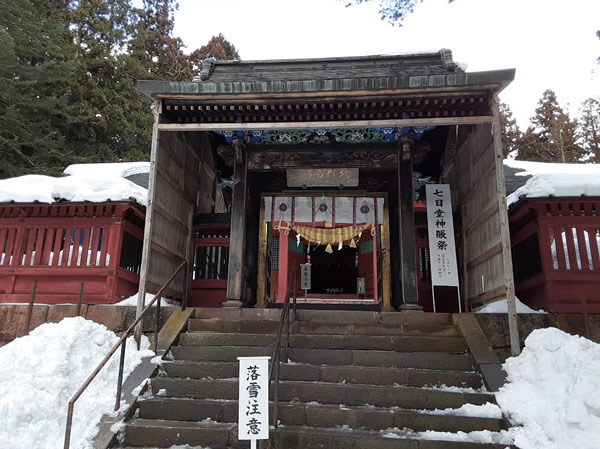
{"x":495,"y":327}
{"x":13,"y":318}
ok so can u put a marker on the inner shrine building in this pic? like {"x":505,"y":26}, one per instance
{"x":261,"y":167}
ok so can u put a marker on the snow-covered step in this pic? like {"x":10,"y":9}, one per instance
{"x":327,"y":415}
{"x":163,"y":433}
{"x":326,"y":393}
{"x":331,"y":373}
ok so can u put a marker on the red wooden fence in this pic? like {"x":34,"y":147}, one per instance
{"x":63,"y":245}
{"x":556,"y":253}
{"x":211,"y":258}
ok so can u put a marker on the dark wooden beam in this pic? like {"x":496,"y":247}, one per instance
{"x":410,"y":299}
{"x":235,"y":273}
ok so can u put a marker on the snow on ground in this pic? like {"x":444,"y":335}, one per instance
{"x":552,"y":397}
{"x":487,"y":410}
{"x":94,"y":188}
{"x":558,"y":185}
{"x":478,"y":436}
{"x":116,"y":169}
{"x":132,"y":301}
{"x":501,"y":306}
{"x":39,"y":374}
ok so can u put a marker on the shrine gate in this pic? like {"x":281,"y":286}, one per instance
{"x":322,"y":161}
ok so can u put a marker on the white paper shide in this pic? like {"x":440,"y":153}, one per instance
{"x":253,"y":413}
{"x":442,"y":248}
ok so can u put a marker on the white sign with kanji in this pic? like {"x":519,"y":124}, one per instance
{"x":442,"y":249}
{"x":253,"y":410}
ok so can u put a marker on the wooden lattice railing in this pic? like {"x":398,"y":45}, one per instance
{"x":64,"y":245}
{"x":556,"y":253}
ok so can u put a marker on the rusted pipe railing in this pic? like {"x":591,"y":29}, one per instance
{"x":276,"y":358}
{"x":121,"y":343}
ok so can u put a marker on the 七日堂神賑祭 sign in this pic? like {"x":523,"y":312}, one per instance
{"x":440,"y":227}
{"x":253,"y":412}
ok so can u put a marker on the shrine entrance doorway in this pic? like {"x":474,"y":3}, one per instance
{"x":343,"y":236}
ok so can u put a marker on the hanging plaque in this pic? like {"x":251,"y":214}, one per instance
{"x":322,"y":177}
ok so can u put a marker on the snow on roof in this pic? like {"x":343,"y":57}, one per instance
{"x":94,"y":187}
{"x":121,"y":169}
{"x":542,"y":168}
{"x":558,"y":185}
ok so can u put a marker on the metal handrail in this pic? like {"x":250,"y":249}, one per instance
{"x":276,"y":358}
{"x":122,"y":343}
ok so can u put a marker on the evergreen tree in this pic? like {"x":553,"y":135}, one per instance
{"x":217,"y":47}
{"x":36,"y":51}
{"x":511,"y":134}
{"x":154,"y":45}
{"x":68,"y":73}
{"x":589,"y":128}
{"x":117,"y":124}
{"x":551,"y":136}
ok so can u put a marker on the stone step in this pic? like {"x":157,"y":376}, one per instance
{"x":383,"y":343}
{"x":420,"y":360}
{"x":324,"y":393}
{"x":327,"y":316}
{"x":314,"y":438}
{"x":317,"y":415}
{"x":331,"y":373}
{"x":162,"y":433}
{"x":321,"y":327}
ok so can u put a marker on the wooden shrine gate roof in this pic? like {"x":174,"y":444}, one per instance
{"x":359,"y":88}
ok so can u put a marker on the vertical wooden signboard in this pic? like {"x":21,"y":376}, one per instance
{"x":253,"y":409}
{"x":442,"y":248}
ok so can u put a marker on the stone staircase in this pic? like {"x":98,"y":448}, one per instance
{"x":356,"y":380}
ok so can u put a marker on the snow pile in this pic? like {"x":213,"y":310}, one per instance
{"x":552,"y":397}
{"x":477,"y":436}
{"x":487,"y":410}
{"x":132,"y":301}
{"x":502,"y":307}
{"x":94,"y":188}
{"x":559,"y":185}
{"x":110,"y":170}
{"x":39,"y":374}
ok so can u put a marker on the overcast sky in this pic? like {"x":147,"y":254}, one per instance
{"x":551,"y":43}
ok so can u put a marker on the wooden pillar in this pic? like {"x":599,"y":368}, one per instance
{"x":509,"y":282}
{"x":410,"y":299}
{"x":235,"y":272}
{"x":282,"y":280}
{"x":262,"y":258}
{"x":375,"y":267}
{"x":147,"y":242}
